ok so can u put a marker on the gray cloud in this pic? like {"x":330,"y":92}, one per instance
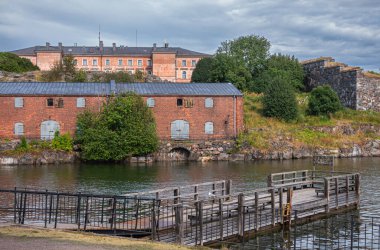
{"x":347,"y":30}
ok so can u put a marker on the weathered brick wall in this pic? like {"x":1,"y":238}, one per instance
{"x":35,"y":111}
{"x":164,"y":66}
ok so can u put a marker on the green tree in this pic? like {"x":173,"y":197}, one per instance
{"x":80,"y":76}
{"x":323,"y":101}
{"x":124,"y":127}
{"x":202,"y":71}
{"x":279,"y":100}
{"x":118,"y":77}
{"x":252,"y":51}
{"x":13,"y":63}
{"x":61,"y":70}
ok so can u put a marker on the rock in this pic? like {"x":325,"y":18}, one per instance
{"x":288,"y":154}
{"x":356,"y":151}
{"x":220,"y":149}
{"x":134,"y":159}
{"x":141,"y":159}
{"x":223,"y":157}
{"x":8,"y":161}
{"x":237,"y":157}
{"x":208,"y":143}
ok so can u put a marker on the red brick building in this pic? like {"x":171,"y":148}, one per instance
{"x":169,"y":63}
{"x":193,"y":111}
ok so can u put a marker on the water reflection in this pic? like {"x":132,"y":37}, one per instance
{"x":119,"y":179}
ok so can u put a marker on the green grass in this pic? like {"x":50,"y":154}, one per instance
{"x":260,"y":132}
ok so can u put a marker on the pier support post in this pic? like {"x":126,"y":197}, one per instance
{"x":327,"y":194}
{"x":357,"y":189}
{"x":179,"y":223}
{"x":241,"y":215}
{"x":228,"y":189}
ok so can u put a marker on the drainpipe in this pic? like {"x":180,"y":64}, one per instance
{"x":235,"y":132}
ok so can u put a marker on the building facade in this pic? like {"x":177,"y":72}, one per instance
{"x":183,"y":111}
{"x":172,"y":64}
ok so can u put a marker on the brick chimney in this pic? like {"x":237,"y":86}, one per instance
{"x":154,"y":46}
{"x":113,"y":47}
{"x":166,"y":45}
{"x":47,"y":44}
{"x":59,"y":45}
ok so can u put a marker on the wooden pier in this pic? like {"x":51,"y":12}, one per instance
{"x":208,"y":213}
{"x":200,"y":214}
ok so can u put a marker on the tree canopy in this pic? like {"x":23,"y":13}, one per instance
{"x":202,"y":72}
{"x":13,"y":63}
{"x":125,"y":127}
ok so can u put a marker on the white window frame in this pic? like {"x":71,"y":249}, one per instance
{"x":81,"y":102}
{"x":209,"y":102}
{"x":183,"y":63}
{"x":19,"y":128}
{"x":184,"y":75}
{"x":139,"y":62}
{"x":193,"y":63}
{"x":94,"y":62}
{"x":130,"y":62}
{"x":108,"y":62}
{"x":149,"y":62}
{"x":84,"y":62}
{"x":19,"y":102}
{"x":150,"y":102}
{"x":209,"y":125}
{"x":120,"y":62}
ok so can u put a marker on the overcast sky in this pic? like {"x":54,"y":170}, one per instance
{"x":348,"y":30}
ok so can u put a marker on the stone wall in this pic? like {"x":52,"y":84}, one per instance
{"x":355,"y":89}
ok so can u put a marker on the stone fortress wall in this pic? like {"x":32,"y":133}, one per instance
{"x":356,"y":88}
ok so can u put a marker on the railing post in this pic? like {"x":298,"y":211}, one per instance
{"x":179,"y":223}
{"x":336,"y":193}
{"x":221,"y":218}
{"x":270,"y":180}
{"x":195,"y":192}
{"x":176,"y":194}
{"x":86,"y":215}
{"x":24,"y":209}
{"x":347,"y":189}
{"x":154,"y":220}
{"x":241,"y":215}
{"x":199,"y":212}
{"x":223,"y":188}
{"x":357,"y":189}
{"x":280,"y":200}
{"x":256,"y":211}
{"x":273,"y":206}
{"x":77,"y":217}
{"x":228,"y":189}
{"x":46,"y":208}
{"x":56,"y":211}
{"x":15,"y":206}
{"x":327,"y":194}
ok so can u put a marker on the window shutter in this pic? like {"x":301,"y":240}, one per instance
{"x":209,"y":103}
{"x":209,"y":128}
{"x":150,"y":102}
{"x":19,"y":128}
{"x":81,"y":102}
{"x":19,"y":102}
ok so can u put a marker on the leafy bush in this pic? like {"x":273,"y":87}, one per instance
{"x":23,"y":146}
{"x":62,"y":142}
{"x":279,"y":100}
{"x":13,"y":63}
{"x":202,"y":71}
{"x":323,"y":101}
{"x":124,"y":127}
{"x":80,"y":76}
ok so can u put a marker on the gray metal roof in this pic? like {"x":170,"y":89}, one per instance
{"x":101,"y":89}
{"x":107,"y":51}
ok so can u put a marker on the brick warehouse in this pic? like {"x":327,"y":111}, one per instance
{"x":169,"y":63}
{"x":194,"y":111}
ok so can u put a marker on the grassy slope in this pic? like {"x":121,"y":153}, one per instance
{"x":268,"y":133}
{"x":88,"y":238}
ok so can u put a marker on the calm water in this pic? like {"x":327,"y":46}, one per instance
{"x":119,"y":179}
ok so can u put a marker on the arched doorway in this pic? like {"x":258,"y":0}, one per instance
{"x":179,"y":130}
{"x":179,"y":154}
{"x":48,"y":129}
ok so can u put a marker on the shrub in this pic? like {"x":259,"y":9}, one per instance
{"x":123,"y":128}
{"x":23,"y":146}
{"x":13,"y":63}
{"x":62,"y":142}
{"x":323,"y":101}
{"x":279,"y":100}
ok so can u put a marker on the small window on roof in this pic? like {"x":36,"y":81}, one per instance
{"x":19,"y":128}
{"x":209,"y":128}
{"x":50,"y":102}
{"x":19,"y":102}
{"x":81,"y":102}
{"x":150,"y":102}
{"x":209,"y":102}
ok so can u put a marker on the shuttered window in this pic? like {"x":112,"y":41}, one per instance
{"x":19,"y":102}
{"x":81,"y":102}
{"x":209,"y":103}
{"x":19,"y":128}
{"x":209,"y":128}
{"x":150,"y":102}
